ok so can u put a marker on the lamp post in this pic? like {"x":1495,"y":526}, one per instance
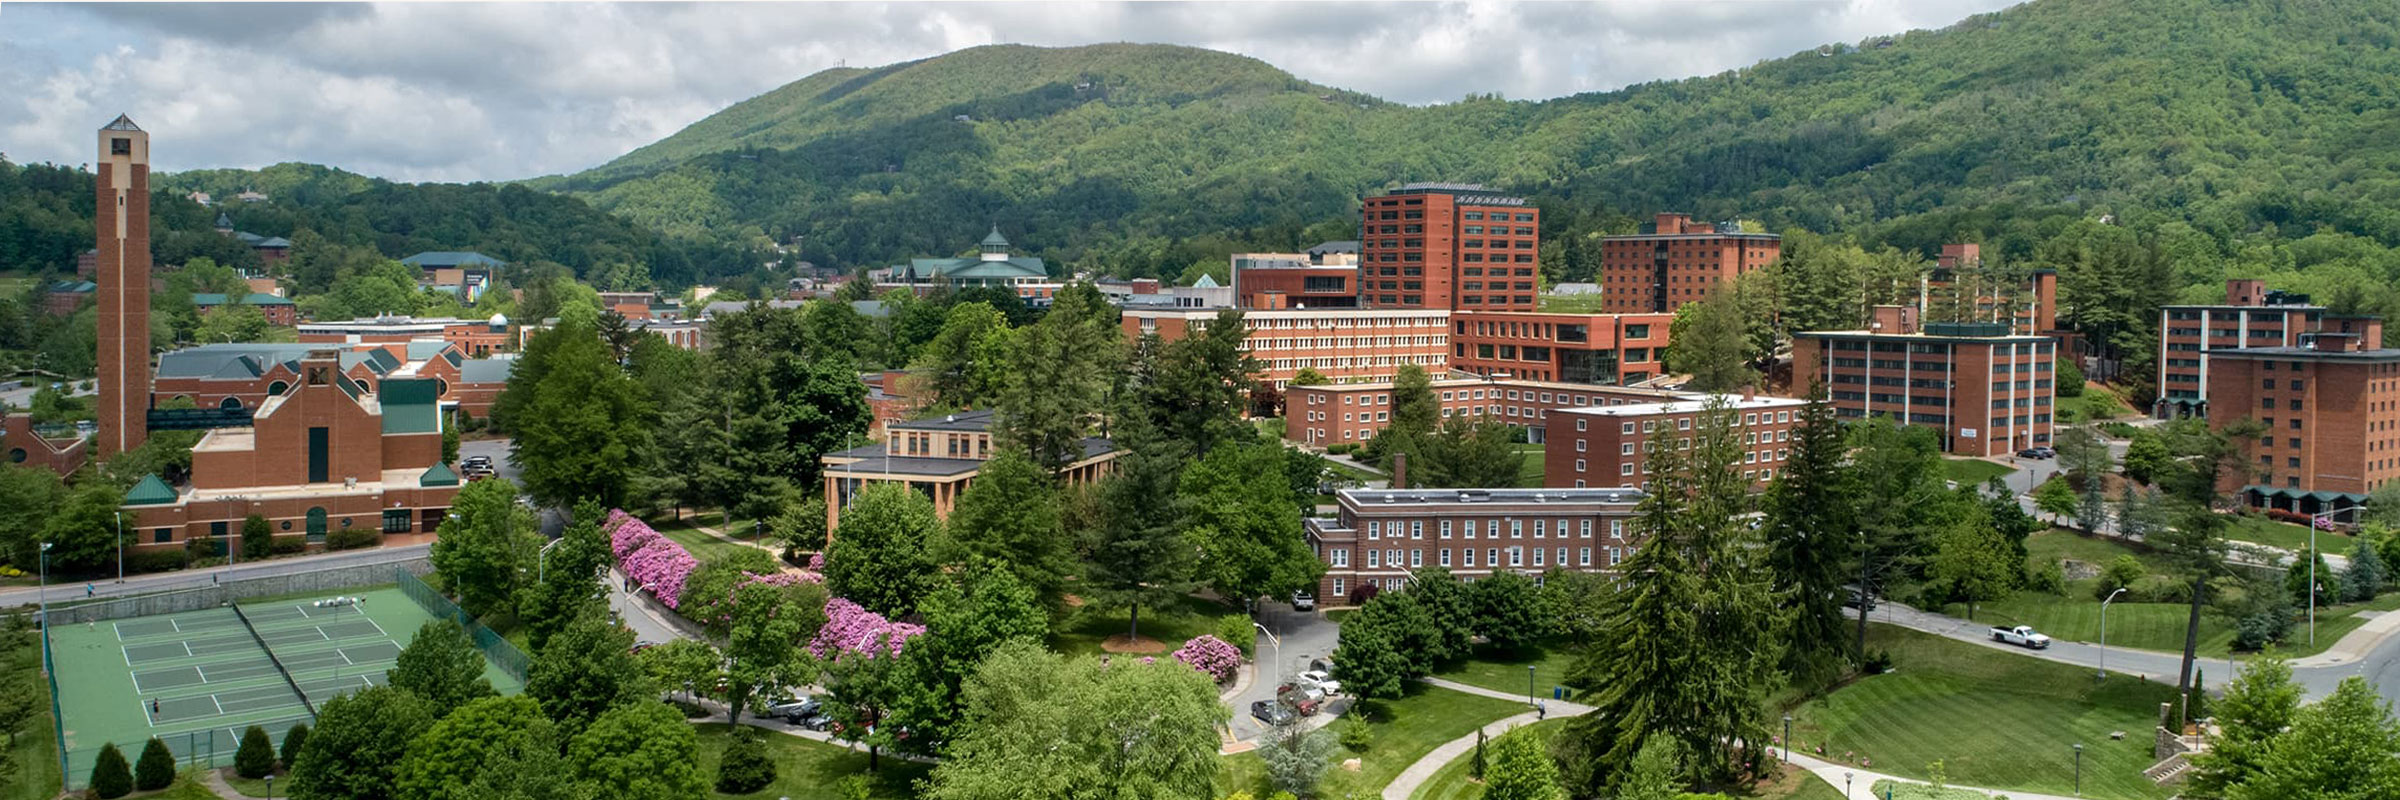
{"x":2104,"y":630}
{"x":1787,"y":738}
{"x":1529,"y":698}
{"x":1846,"y":776}
{"x":2079,"y":769}
{"x":542,"y":560}
{"x":270,"y":787}
{"x":120,"y":517}
{"x":44,"y":592}
{"x":1276,"y":643}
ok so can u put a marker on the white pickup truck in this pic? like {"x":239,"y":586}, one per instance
{"x":2022,"y":636}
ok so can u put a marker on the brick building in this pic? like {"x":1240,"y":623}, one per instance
{"x":474,"y":338}
{"x":938,"y":458}
{"x":277,"y":310}
{"x":62,"y":298}
{"x":57,"y":449}
{"x":1379,"y":535}
{"x":1987,"y":391}
{"x":1334,"y":413}
{"x":325,"y":455}
{"x":2250,"y":317}
{"x":1454,"y":246}
{"x":464,"y":273}
{"x":241,"y":376}
{"x":1596,"y":349}
{"x":1610,"y":445}
{"x":1320,"y":278}
{"x":1674,"y":261}
{"x":2331,"y":408}
{"x":123,"y":232}
{"x":1960,"y":288}
{"x":1351,"y":344}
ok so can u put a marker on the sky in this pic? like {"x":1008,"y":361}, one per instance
{"x":500,"y":91}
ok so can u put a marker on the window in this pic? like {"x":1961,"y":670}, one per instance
{"x":1584,"y":528}
{"x":1469,"y":556}
{"x":1580,"y":424}
{"x":1516,"y":556}
{"x":1579,"y":445}
{"x":1516,"y":529}
{"x":395,"y":521}
{"x":1416,"y":558}
{"x":1337,"y":588}
{"x":1374,"y":530}
{"x":1416,"y":529}
{"x":1374,"y":558}
{"x":162,"y":536}
{"x":1625,"y":468}
{"x":1341,"y":556}
{"x":1445,"y":535}
{"x":1579,"y":465}
{"x":1537,"y":556}
{"x":1470,"y":532}
{"x":1445,"y":557}
{"x":1616,"y":529}
{"x":1615,"y":555}
{"x":1541,"y":528}
{"x":1583,"y":557}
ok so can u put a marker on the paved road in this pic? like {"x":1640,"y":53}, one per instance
{"x":1305,"y":635}
{"x":186,"y":579}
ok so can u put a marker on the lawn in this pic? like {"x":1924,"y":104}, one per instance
{"x":2096,"y":403}
{"x":2000,"y":721}
{"x":1972,"y":471}
{"x":1529,"y":473}
{"x":1404,"y":730}
{"x":35,"y":755}
{"x":1506,"y":673}
{"x":702,"y":545}
{"x":807,"y":769}
{"x":2260,"y":530}
{"x":1083,"y":627}
{"x":2147,"y":626}
{"x":1270,"y":427}
{"x":1452,"y":781}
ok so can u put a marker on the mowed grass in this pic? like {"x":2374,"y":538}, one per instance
{"x":1453,"y":782}
{"x":1995,"y":720}
{"x":806,"y":769}
{"x":702,"y":545}
{"x":1529,"y":473}
{"x":1404,"y":730}
{"x":35,"y":753}
{"x":2294,"y":538}
{"x":1505,"y":672}
{"x":1082,"y":629}
{"x":1972,"y":471}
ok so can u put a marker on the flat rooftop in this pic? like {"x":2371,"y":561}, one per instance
{"x":2378,"y":354}
{"x":1374,"y":497}
{"x":1685,"y":406}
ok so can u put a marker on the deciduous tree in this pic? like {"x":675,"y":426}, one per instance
{"x":1520,"y":769}
{"x":1043,"y":725}
{"x":485,"y":545}
{"x":1010,"y":517}
{"x":878,"y":558}
{"x":356,"y":749}
{"x":478,"y":745}
{"x":1245,"y":524}
{"x":585,"y":670}
{"x":2339,"y":749}
{"x":2258,"y":705}
{"x":639,"y":751}
{"x":441,"y":665}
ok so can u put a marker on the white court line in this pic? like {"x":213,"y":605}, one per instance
{"x":212,"y":700}
{"x":378,"y":629}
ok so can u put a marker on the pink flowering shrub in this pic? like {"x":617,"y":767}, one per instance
{"x":816,"y":562}
{"x":653,"y":561}
{"x":852,"y":629}
{"x":1211,"y":655}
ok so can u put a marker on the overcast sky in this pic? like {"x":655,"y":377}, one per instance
{"x":495,"y":91}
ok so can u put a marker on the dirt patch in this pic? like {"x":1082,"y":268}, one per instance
{"x":1121,"y":643}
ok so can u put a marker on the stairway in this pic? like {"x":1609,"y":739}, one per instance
{"x":2171,"y":770}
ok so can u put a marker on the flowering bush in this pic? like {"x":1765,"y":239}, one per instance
{"x":816,"y":562}
{"x":1211,"y":655}
{"x":851,"y":628}
{"x":654,"y":562}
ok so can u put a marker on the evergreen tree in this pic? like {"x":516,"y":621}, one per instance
{"x":1059,"y":376}
{"x":745,"y":767}
{"x":258,"y":538}
{"x":293,"y":740}
{"x":878,"y":558}
{"x":1808,"y":523}
{"x":156,"y":768}
{"x":2364,"y":579}
{"x":1137,"y":555}
{"x":1469,"y":452}
{"x":1896,"y":478}
{"x":110,"y":776}
{"x":1296,"y":755}
{"x":1655,"y":772}
{"x":1415,"y":415}
{"x":1201,"y":380}
{"x":1010,"y":516}
{"x":1713,"y":344}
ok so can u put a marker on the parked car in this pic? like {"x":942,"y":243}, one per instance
{"x":793,"y":709}
{"x":1322,"y":680}
{"x":1305,"y":698}
{"x":1303,"y":601}
{"x":1270,"y":712}
{"x":2046,"y":451}
{"x":1853,"y":598}
{"x":816,"y":721}
{"x":2029,"y":453}
{"x":2021,"y":636}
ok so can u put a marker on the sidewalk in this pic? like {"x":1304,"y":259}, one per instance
{"x":1861,"y":782}
{"x":1409,"y":780}
{"x":2355,"y":645}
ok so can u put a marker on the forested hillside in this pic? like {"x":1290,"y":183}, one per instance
{"x":2214,"y":122}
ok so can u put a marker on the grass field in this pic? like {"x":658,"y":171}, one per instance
{"x":2096,"y":403}
{"x":1571,"y":304}
{"x":806,"y":769}
{"x":1453,"y":783}
{"x":1529,"y":474}
{"x":1404,"y":731}
{"x":2260,"y":530}
{"x":1082,"y":629}
{"x":1972,"y":471}
{"x":1506,"y":673}
{"x":1996,"y":721}
{"x":702,"y":545}
{"x":35,"y":754}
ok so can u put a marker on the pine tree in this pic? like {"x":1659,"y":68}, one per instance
{"x":256,"y":756}
{"x":1808,"y":521}
{"x":2365,"y":577}
{"x":1137,"y":554}
{"x":110,"y":776}
{"x":156,"y":768}
{"x":293,"y":740}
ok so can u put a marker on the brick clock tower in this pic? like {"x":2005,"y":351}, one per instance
{"x":124,"y":278}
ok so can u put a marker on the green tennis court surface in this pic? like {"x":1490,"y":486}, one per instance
{"x":197,"y":679}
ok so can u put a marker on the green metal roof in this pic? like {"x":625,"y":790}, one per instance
{"x":995,"y":239}
{"x":409,"y":406}
{"x":438,"y":475}
{"x":150,"y":492}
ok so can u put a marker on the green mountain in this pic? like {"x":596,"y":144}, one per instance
{"x":2232,"y":120}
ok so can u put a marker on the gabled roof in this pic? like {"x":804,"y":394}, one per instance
{"x":410,"y":406}
{"x":450,"y":258}
{"x":121,"y":123}
{"x":438,"y":475}
{"x":486,"y":370}
{"x":150,"y":492}
{"x":1205,"y":282}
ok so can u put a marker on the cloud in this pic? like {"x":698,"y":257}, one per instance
{"x":492,"y":91}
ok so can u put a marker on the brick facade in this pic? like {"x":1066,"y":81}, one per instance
{"x":1378,"y":536}
{"x":1603,"y":446}
{"x":1354,"y":412}
{"x":1449,"y":246}
{"x":123,"y":231}
{"x":2250,"y":317}
{"x":1988,"y":393}
{"x":1341,"y":344}
{"x":1597,"y":349}
{"x":1677,"y":261}
{"x":2331,"y":412}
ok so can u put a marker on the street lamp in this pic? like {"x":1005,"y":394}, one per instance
{"x":1846,"y":776}
{"x":2079,"y":769}
{"x":1529,"y":698}
{"x":1277,"y":643}
{"x":44,"y":593}
{"x":543,"y":559}
{"x":1787,"y":738}
{"x":270,"y":787}
{"x":120,"y":517}
{"x":2104,"y":630}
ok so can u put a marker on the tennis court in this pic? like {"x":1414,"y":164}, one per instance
{"x":197,"y":679}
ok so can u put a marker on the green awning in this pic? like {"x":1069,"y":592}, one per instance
{"x":150,"y":492}
{"x":438,"y":475}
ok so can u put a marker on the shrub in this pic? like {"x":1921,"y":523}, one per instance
{"x":256,"y":757}
{"x":851,"y":628}
{"x":110,"y":776}
{"x":2051,"y":579}
{"x":156,"y":560}
{"x":746,"y":767}
{"x":2120,"y":574}
{"x":353,"y":538}
{"x":1211,"y":655}
{"x":2070,"y":378}
{"x":1356,"y":735}
{"x":2159,"y":589}
{"x":1878,"y":662}
{"x":156,"y":768}
{"x":292,"y":741}
{"x":1363,"y":593}
{"x":287,"y":545}
{"x":1239,"y":631}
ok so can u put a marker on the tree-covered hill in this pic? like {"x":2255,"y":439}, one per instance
{"x":2232,"y":118}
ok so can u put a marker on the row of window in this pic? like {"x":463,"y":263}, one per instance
{"x":1499,"y":216}
{"x":1415,"y":529}
{"x":1345,"y":342}
{"x":1497,"y":300}
{"x":1339,"y":558}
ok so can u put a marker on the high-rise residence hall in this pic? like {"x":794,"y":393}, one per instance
{"x":1986,"y":390}
{"x":1452,"y":246}
{"x":1674,"y":261}
{"x":1961,"y":288}
{"x":123,"y":227}
{"x":2250,"y":317}
{"x":1379,"y":535}
{"x":1324,"y":277}
{"x":2331,"y":407}
{"x":1596,"y":349}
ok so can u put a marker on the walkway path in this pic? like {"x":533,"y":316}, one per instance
{"x":1860,"y":783}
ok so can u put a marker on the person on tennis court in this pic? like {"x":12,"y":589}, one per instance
{"x":87,"y":591}
{"x":153,"y":706}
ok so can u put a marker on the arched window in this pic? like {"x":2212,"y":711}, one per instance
{"x":316,"y":524}
{"x":277,"y":388}
{"x":230,"y":403}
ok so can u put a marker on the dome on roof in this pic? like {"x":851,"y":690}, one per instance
{"x":499,"y":320}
